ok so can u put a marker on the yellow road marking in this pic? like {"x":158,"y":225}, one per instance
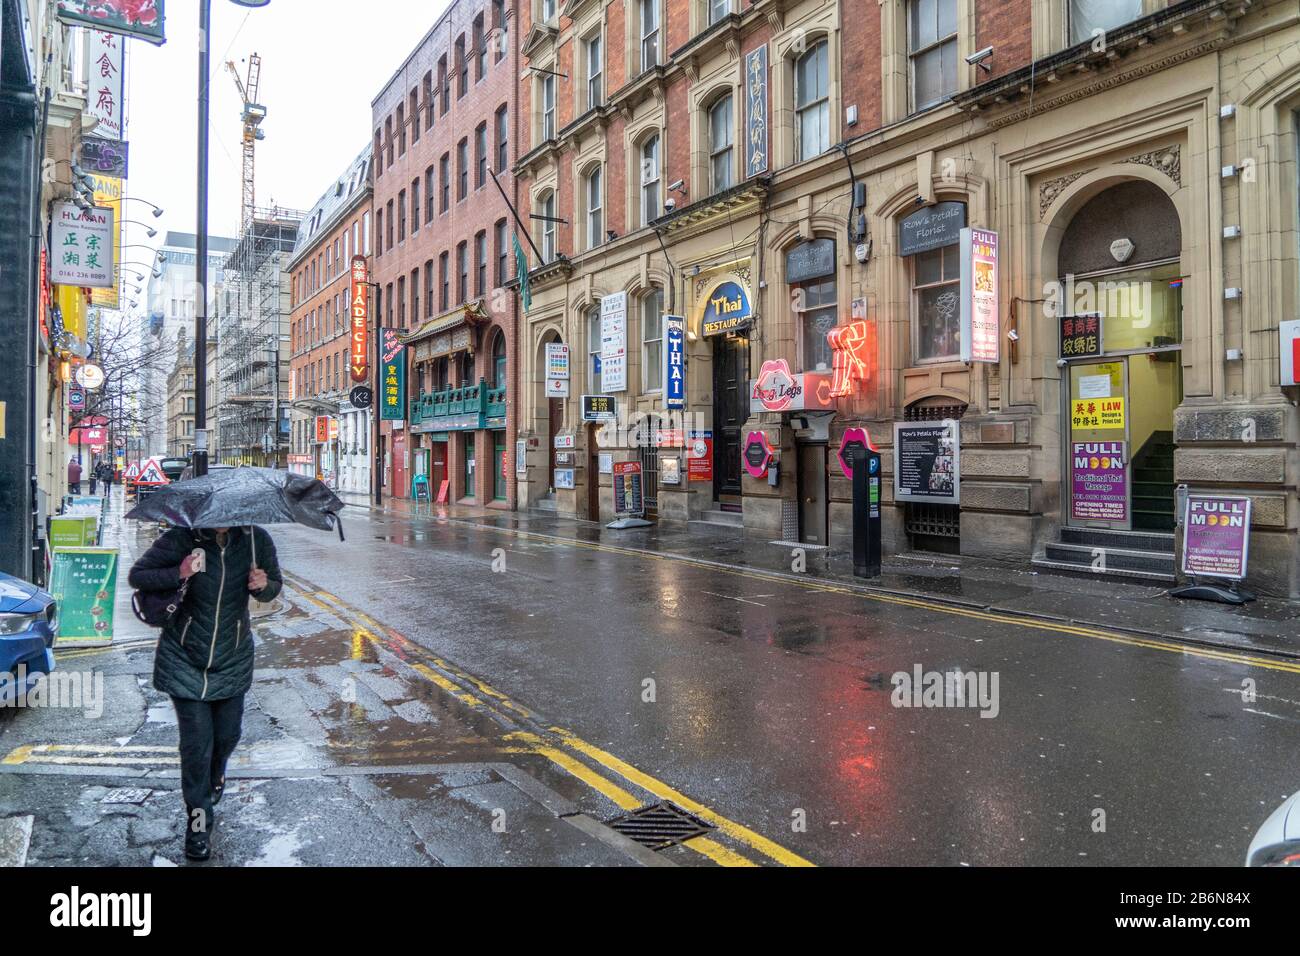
{"x":664,"y":792}
{"x":17,"y":755}
{"x":533,"y":744}
{"x":718,"y":853}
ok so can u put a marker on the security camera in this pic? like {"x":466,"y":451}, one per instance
{"x":977,"y":59}
{"x":677,"y":186}
{"x":670,"y":204}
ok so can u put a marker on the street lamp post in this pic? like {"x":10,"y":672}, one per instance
{"x":201,"y":241}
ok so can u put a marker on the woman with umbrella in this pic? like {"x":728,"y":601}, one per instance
{"x":217,"y":558}
{"x":204,"y":660}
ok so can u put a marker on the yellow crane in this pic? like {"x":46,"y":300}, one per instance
{"x":252,"y":115}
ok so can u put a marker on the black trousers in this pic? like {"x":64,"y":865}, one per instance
{"x":210,"y":731}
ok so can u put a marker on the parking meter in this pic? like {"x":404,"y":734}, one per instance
{"x":866,"y":511}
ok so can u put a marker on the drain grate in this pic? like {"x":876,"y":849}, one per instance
{"x":659,"y":826}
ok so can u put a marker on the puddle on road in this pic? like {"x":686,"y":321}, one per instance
{"x":313,"y":649}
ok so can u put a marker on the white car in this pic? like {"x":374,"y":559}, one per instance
{"x":1278,"y":841}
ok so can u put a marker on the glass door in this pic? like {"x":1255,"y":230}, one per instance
{"x":1097,"y":450}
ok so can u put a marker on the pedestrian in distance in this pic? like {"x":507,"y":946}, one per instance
{"x":74,"y":476}
{"x":204,"y":658}
{"x":106,"y":476}
{"x":94,"y":477}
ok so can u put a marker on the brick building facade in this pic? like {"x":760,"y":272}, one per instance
{"x":328,"y":435}
{"x":793,"y":179}
{"x":443,"y":124}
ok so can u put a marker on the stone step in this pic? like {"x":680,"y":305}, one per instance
{"x":1105,"y":538}
{"x":1085,"y":570}
{"x":718,"y":519}
{"x":1126,"y":559}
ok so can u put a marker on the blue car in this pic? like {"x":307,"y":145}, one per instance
{"x":29,"y":623}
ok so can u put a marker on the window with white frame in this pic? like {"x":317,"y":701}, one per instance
{"x":936,"y":304}
{"x":932,"y":51}
{"x":718,"y":9}
{"x":649,"y":34}
{"x":595,"y":76}
{"x":815,"y":305}
{"x":546,"y":209}
{"x":593,"y":348}
{"x":721,"y":143}
{"x":812,"y":104}
{"x":595,"y":210}
{"x":548,"y":107}
{"x":651,"y":206}
{"x":1089,"y":16}
{"x":652,"y":332}
{"x":548,"y":9}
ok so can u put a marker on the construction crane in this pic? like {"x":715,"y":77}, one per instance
{"x":252,"y":116}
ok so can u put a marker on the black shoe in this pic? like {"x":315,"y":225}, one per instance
{"x":197,"y":846}
{"x":218,"y":789}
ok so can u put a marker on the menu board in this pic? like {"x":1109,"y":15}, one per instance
{"x":927,"y":462}
{"x":628,"y":495}
{"x":84,"y":583}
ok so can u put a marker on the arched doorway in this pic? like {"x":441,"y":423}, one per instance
{"x":1118,"y":307}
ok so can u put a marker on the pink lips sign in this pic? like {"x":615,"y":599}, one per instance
{"x":852,"y":437}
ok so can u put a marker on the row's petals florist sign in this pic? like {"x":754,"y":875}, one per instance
{"x":979,"y":296}
{"x":82,"y":253}
{"x":142,"y":19}
{"x":1216,"y":536}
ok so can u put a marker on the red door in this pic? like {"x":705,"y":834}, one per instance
{"x":400,"y":488}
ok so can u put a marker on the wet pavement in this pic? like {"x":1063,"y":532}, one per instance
{"x":461,"y":686}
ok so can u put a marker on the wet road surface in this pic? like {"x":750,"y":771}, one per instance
{"x":440,"y":689}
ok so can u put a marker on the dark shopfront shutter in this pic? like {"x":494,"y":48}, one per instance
{"x":932,"y":527}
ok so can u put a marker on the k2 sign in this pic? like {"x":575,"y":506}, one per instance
{"x":674,"y":362}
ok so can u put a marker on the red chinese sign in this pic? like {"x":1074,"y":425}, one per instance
{"x":853,"y":347}
{"x":142,"y":19}
{"x":360,"y":312}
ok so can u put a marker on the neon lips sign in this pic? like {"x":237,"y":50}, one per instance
{"x":777,"y":389}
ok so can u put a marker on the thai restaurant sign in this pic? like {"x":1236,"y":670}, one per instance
{"x":360,"y":312}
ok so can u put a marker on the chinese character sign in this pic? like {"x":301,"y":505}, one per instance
{"x":142,"y":19}
{"x":104,"y":83}
{"x":1080,"y":336}
{"x":756,"y":112}
{"x":853,"y":349}
{"x":1094,"y":413}
{"x":360,"y":312}
{"x":108,"y":195}
{"x":392,"y":392}
{"x":82,"y":253}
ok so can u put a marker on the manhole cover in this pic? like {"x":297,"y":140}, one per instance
{"x":659,"y":825}
{"x":126,"y":795}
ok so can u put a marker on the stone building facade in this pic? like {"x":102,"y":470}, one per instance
{"x":1136,"y":162}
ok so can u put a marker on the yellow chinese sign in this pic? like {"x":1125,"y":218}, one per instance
{"x":108,"y":194}
{"x":1097,"y":413}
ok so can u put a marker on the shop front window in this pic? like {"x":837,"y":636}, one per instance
{"x":499,"y":466}
{"x":936,"y":304}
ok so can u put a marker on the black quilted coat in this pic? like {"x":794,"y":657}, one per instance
{"x":206,"y":652}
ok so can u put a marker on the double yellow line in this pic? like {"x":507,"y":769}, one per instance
{"x":561,"y":747}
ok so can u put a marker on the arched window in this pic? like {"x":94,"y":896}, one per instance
{"x":721,"y":136}
{"x":651,"y":204}
{"x":595,"y":210}
{"x":499,"y":361}
{"x":812,"y":103}
{"x":546,"y":209}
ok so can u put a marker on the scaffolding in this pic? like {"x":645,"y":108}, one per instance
{"x":252,"y":325}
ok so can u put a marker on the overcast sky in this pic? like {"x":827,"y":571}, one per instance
{"x":323,"y":61}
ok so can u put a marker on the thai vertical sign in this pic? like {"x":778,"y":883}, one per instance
{"x":1216,"y":536}
{"x":613,"y":342}
{"x":392,"y":403}
{"x":142,"y":19}
{"x":1098,"y":481}
{"x":360,"y":312}
{"x":674,"y":370}
{"x":979,"y":296}
{"x":756,"y":112}
{"x":104,"y":93}
{"x":83,"y":247}
{"x":108,"y":195}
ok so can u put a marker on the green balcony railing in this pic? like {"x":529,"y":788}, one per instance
{"x":458,"y":409}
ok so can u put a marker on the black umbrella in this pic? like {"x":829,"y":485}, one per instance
{"x":243,"y":496}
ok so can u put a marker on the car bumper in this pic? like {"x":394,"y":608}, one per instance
{"x":24,"y":660}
